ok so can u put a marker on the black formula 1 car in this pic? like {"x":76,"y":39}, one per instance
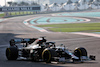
{"x":38,"y":49}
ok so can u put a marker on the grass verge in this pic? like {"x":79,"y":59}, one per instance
{"x":1,"y":15}
{"x":73,"y":27}
{"x":17,"y":13}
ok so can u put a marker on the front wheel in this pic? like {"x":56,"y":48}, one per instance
{"x":80,"y":52}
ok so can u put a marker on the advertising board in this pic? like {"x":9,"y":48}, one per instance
{"x":20,"y":8}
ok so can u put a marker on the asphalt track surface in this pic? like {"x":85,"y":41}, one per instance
{"x":14,"y":28}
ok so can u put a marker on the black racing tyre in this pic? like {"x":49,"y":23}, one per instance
{"x":80,"y":52}
{"x":48,"y":54}
{"x":12,"y":53}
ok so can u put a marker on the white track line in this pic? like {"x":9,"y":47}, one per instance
{"x":88,"y":34}
{"x":2,"y":20}
{"x":43,"y":30}
{"x":79,"y":33}
{"x":32,"y":26}
{"x":86,"y":20}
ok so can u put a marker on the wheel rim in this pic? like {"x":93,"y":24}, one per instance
{"x":8,"y":53}
{"x":46,"y":55}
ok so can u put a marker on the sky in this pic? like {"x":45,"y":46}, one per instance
{"x":2,"y":2}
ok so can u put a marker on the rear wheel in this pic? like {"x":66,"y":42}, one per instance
{"x":12,"y":53}
{"x":46,"y":55}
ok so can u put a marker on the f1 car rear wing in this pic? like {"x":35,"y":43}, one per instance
{"x":27,"y":40}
